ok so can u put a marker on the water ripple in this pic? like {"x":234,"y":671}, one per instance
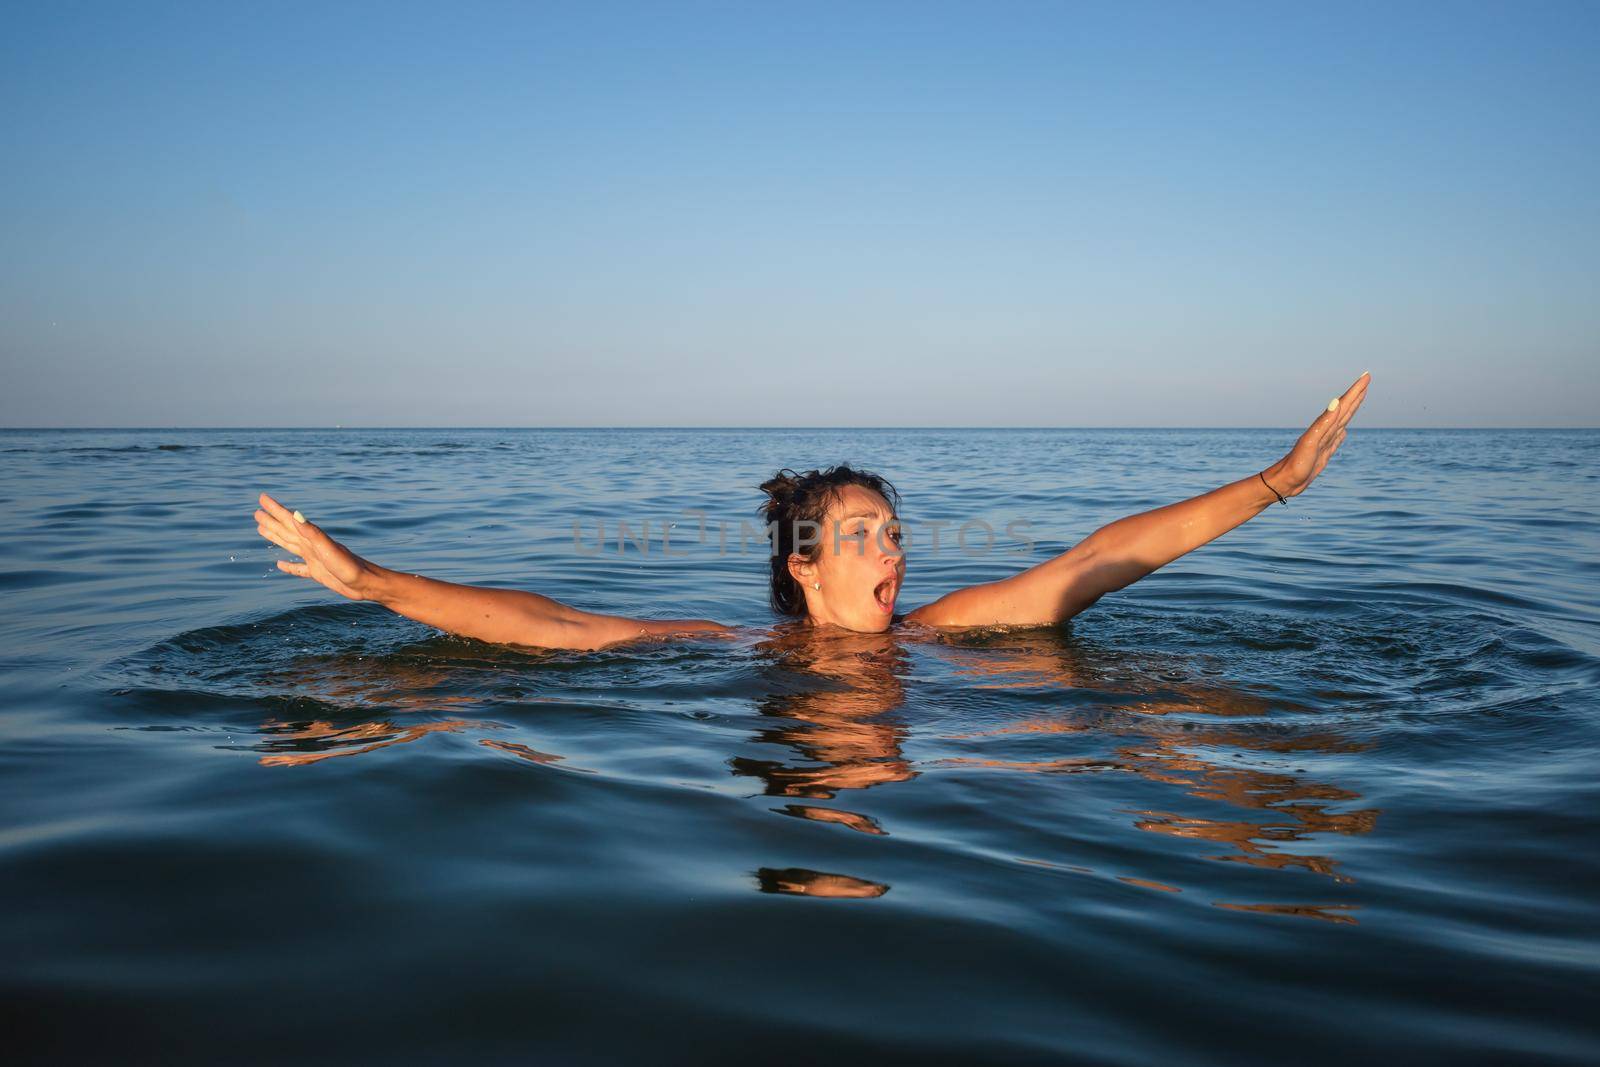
{"x":1336,"y":766}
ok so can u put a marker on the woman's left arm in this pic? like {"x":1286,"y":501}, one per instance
{"x":1121,"y":553}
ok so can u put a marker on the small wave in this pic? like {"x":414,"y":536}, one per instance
{"x":37,"y":578}
{"x":1452,"y":593}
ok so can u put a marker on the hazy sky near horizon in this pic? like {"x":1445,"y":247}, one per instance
{"x":975,"y":214}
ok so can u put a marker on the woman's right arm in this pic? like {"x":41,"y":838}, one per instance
{"x":501,"y":616}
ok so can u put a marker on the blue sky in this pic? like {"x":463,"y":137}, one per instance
{"x":983,"y":214}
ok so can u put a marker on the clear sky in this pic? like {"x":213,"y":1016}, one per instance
{"x":815,"y":214}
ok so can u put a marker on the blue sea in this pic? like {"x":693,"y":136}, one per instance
{"x":1324,"y":790}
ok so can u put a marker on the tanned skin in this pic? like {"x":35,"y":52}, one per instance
{"x":853,"y":583}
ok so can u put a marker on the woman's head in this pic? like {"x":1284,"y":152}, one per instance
{"x":836,"y":555}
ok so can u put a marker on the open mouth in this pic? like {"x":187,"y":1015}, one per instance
{"x":886,"y":591}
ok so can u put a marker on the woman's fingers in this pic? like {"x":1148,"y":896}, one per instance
{"x":303,"y":570}
{"x":1320,"y":424}
{"x":277,"y":525}
{"x":310,"y":531}
{"x":289,"y":529}
{"x":1352,"y":398}
{"x":1351,"y":409}
{"x":322,"y":577}
{"x":1326,"y":452}
{"x":276,"y":510}
{"x":272,"y":535}
{"x":326,"y":561}
{"x":263,"y":519}
{"x":1318,"y":430}
{"x":274,"y":531}
{"x":292,"y":522}
{"x":1325,"y":434}
{"x":333,"y":556}
{"x":1341,"y":409}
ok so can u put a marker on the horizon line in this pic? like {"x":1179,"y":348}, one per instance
{"x":577,"y":429}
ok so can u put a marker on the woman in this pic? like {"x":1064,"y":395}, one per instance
{"x":837,"y":561}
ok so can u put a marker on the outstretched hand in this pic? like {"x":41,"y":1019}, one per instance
{"x":1294,"y":472}
{"x":326,"y":560}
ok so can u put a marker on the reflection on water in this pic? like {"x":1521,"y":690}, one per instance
{"x":406,"y":683}
{"x":1333,"y":913}
{"x":532,"y":755}
{"x":349,"y":683}
{"x":839,"y":708}
{"x":295,"y":744}
{"x":1300,"y":807}
{"x":798,"y":881}
{"x":1146,"y":883}
{"x":839,"y":730}
{"x":865,"y":824}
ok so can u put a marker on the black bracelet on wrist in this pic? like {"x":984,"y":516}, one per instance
{"x":1263,"y":476}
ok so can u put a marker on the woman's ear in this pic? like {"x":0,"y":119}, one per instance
{"x":802,"y":570}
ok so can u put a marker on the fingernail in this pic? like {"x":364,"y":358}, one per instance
{"x":1333,"y":405}
{"x":301,"y":518}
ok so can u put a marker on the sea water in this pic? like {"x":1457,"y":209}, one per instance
{"x":1325,"y":788}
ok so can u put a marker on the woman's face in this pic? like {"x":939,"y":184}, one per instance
{"x":858,"y":572}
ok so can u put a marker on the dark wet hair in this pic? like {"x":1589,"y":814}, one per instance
{"x":796,"y":501}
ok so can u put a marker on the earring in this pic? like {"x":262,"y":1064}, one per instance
{"x":816,"y":585}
